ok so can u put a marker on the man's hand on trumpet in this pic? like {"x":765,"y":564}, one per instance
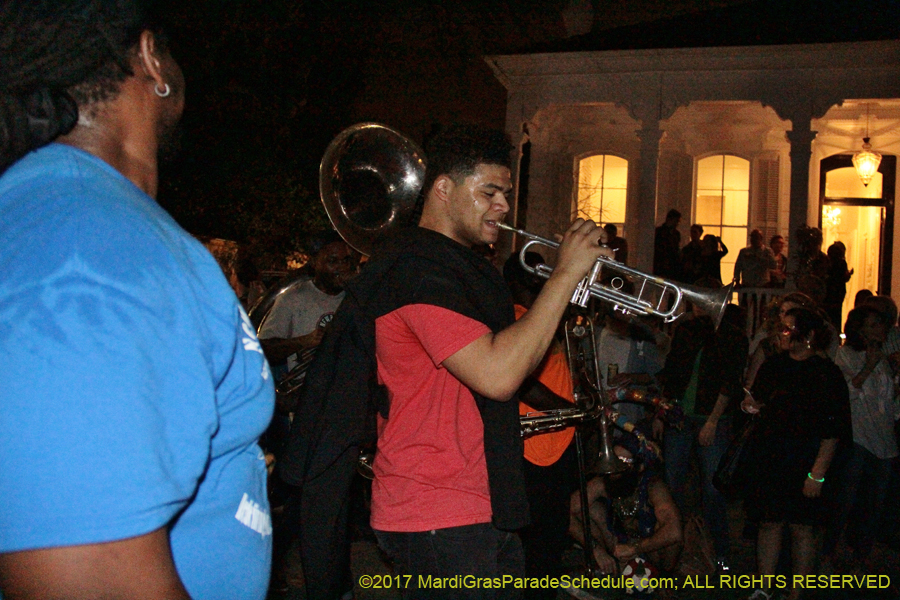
{"x":580,"y":247}
{"x":496,"y":364}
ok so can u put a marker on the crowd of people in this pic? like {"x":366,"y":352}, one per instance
{"x":137,"y":389}
{"x":817,"y":419}
{"x":838,"y":427}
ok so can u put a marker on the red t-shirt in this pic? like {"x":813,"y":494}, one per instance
{"x":430,"y":470}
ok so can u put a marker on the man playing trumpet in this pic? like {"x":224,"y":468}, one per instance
{"x":448,"y":492}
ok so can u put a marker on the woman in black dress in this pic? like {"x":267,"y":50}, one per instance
{"x":804,"y":409}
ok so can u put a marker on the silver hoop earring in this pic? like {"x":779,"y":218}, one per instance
{"x":165,"y":91}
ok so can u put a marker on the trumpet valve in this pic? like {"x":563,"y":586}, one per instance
{"x":583,"y":290}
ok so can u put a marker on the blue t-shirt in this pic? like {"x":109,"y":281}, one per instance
{"x":134,"y":389}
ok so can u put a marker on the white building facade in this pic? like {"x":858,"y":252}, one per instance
{"x":735,"y":138}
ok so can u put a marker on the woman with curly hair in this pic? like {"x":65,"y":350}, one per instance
{"x":767,"y":341}
{"x":802,"y":401}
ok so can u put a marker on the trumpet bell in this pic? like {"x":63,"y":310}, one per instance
{"x":369,"y":181}
{"x":710,"y":300}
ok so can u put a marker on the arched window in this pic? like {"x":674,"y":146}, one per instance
{"x":722,"y":203}
{"x":602,"y":184}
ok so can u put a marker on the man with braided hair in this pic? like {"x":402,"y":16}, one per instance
{"x":135,"y":389}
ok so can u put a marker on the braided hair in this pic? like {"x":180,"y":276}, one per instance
{"x":57,"y":55}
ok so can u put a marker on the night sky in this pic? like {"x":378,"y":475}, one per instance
{"x":271,"y":82}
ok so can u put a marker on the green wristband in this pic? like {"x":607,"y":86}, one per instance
{"x":814,"y":479}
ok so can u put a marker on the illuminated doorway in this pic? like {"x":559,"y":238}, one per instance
{"x":862,"y":218}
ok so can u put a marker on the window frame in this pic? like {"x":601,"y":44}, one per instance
{"x":576,"y":208}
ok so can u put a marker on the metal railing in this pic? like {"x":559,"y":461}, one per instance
{"x":756,"y":301}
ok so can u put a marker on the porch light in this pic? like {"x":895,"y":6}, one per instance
{"x":866,"y":161}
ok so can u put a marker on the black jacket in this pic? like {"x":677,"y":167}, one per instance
{"x":336,"y":412}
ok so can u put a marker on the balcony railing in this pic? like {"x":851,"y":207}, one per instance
{"x":755,"y":301}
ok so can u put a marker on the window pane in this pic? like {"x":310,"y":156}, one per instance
{"x":709,"y":173}
{"x":737,"y":173}
{"x":590,"y":176}
{"x":613,"y":206}
{"x":735,"y":210}
{"x":616,"y":173}
{"x":602,"y":185}
{"x":709,"y":209}
{"x":724,"y":201}
{"x":589,"y":210}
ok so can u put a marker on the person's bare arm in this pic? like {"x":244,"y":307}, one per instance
{"x":708,"y":432}
{"x":539,"y":397}
{"x":139,"y":568}
{"x":278,"y":349}
{"x":603,"y":540}
{"x":756,"y":361}
{"x":668,"y":521}
{"x":495,"y":365}
{"x":812,"y":487}
{"x":739,"y":268}
{"x":873,"y":357}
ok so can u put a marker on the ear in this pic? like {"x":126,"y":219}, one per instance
{"x":148,"y":56}
{"x":443,"y":186}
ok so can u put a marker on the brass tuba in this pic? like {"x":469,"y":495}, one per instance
{"x":369,"y":182}
{"x":287,"y":391}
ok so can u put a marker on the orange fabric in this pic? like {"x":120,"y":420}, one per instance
{"x":546,"y":448}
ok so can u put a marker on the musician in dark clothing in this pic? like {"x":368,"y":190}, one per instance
{"x":427,"y":335}
{"x":703,"y":373}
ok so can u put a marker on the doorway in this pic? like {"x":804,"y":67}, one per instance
{"x":862,"y":218}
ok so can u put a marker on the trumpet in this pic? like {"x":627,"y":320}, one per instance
{"x":647,"y":287}
{"x":550,"y":420}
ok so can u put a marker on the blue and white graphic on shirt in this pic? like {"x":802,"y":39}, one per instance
{"x":251,"y":343}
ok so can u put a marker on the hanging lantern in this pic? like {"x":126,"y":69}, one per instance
{"x":866,"y":162}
